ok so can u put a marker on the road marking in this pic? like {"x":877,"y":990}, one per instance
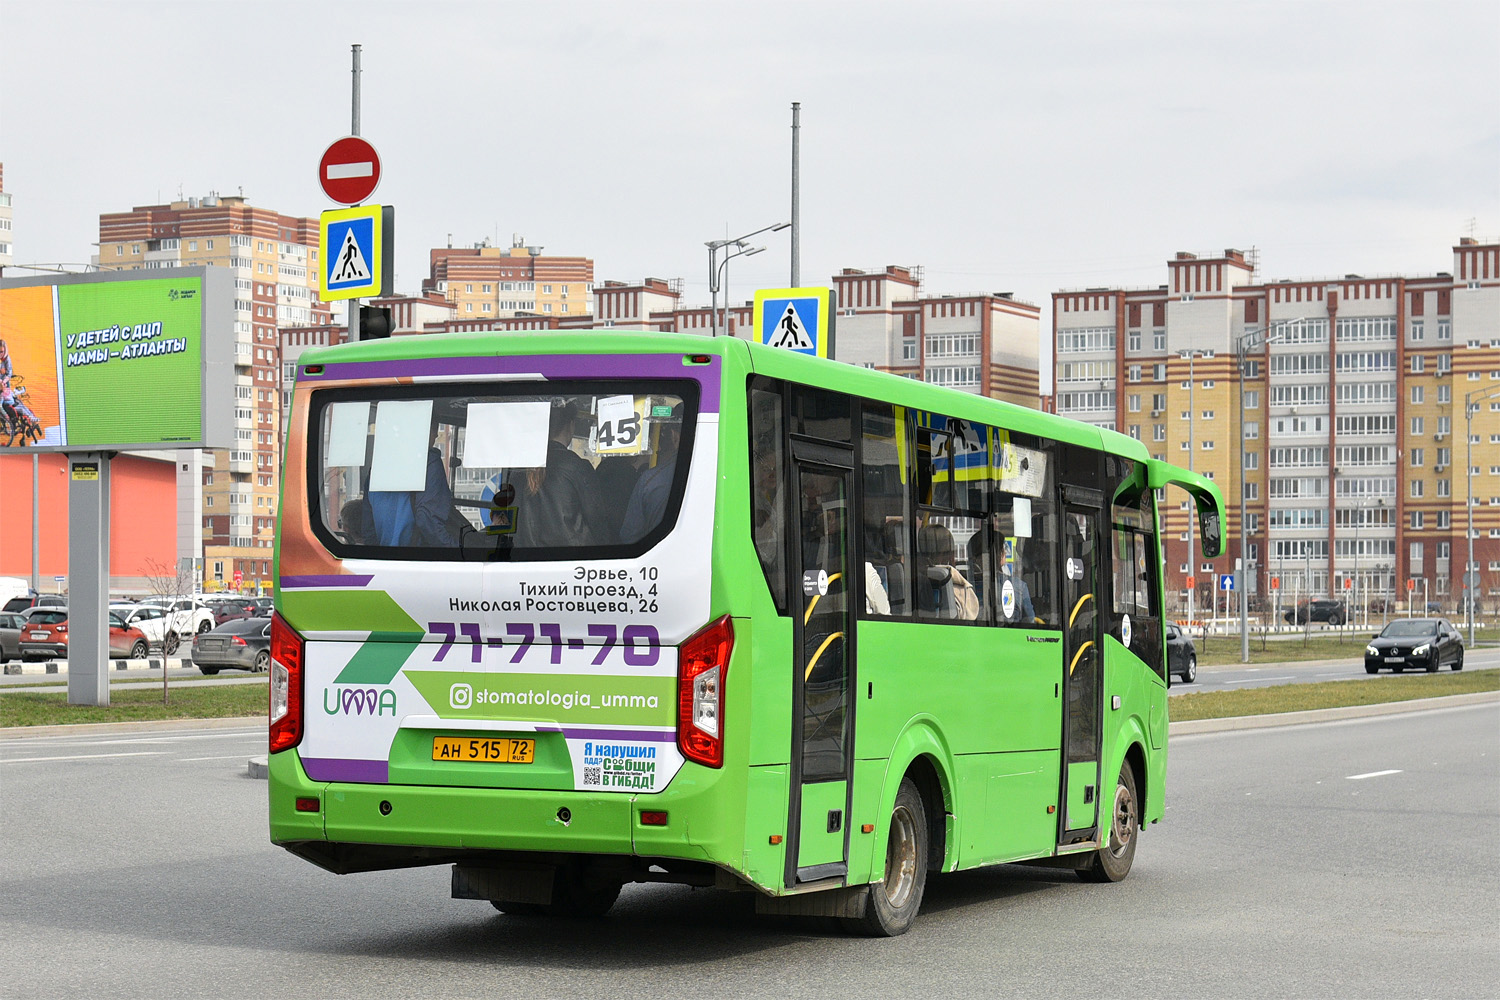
{"x":1372,"y":774}
{"x":236,"y":756}
{"x":1253,"y":680}
{"x":85,"y":756}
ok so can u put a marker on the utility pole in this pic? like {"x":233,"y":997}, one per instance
{"x":796,"y":195}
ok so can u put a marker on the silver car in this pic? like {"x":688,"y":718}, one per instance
{"x":241,"y":644}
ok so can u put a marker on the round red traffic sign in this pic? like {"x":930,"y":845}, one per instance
{"x":349,"y":170}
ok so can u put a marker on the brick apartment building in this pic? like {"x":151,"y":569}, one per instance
{"x":1346,"y":435}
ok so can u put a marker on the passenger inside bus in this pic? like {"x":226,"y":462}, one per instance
{"x":942,"y":591}
{"x":556,"y":501}
{"x":417,"y":518}
{"x":648,"y":500}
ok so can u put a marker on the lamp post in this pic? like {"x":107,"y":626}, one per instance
{"x":1244,"y":344}
{"x":716,"y":268}
{"x":1471,"y":404}
{"x":1190,"y":356}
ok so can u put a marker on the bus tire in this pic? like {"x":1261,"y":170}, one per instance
{"x":517,"y":909}
{"x":1112,"y":862}
{"x":893,"y":902}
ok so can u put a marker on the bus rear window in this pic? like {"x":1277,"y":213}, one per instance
{"x":503,"y":472}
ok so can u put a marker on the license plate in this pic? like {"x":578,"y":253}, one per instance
{"x":1395,"y":659}
{"x":39,"y":635}
{"x":484,"y":749}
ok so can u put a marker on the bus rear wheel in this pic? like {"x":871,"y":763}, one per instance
{"x":893,"y":902}
{"x":1113,"y":861}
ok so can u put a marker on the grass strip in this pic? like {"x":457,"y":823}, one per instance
{"x":1329,"y":694}
{"x":49,"y":708}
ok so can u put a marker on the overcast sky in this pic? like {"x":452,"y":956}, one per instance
{"x":1002,"y":146}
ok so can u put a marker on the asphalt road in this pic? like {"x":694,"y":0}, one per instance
{"x":1237,"y":676}
{"x":1348,"y":859}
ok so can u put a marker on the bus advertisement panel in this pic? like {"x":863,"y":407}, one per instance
{"x":113,"y":361}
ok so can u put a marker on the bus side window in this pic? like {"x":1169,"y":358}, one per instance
{"x":767,"y":490}
{"x":884,"y":516}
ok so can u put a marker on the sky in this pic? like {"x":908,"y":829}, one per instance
{"x":1000,"y":146}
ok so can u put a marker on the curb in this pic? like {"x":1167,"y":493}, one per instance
{"x":259,"y":768}
{"x":1242,"y":722}
{"x":61,"y":666}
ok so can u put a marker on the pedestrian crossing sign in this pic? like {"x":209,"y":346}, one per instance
{"x":795,"y":319}
{"x":355,"y":247}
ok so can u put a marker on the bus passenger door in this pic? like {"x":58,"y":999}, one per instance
{"x":823,"y":620}
{"x":1083,"y":670}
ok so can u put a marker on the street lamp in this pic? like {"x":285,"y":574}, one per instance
{"x":716,"y":268}
{"x":1244,"y":344}
{"x":1471,"y":404}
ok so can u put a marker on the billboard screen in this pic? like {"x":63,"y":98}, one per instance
{"x":116,"y":361}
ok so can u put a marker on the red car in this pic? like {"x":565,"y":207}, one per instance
{"x":45,"y":636}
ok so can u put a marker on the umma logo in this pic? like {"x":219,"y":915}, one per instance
{"x":461,"y":696}
{"x":358,"y":701}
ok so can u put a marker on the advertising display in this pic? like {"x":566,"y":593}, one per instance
{"x":116,"y":361}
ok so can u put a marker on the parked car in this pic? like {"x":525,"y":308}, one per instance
{"x":10,"y":636}
{"x":243,"y":644}
{"x":45,"y":636}
{"x":233,"y":609}
{"x":1182,"y":655}
{"x":36,"y":601}
{"x":1321,"y":610}
{"x":152,"y":620}
{"x":188,"y":615}
{"x":1417,"y":643}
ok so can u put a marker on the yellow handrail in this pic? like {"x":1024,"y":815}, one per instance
{"x":814,"y":661}
{"x":814,"y":602}
{"x":1076,"y":655}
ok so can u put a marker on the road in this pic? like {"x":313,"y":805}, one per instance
{"x":1347,"y":859}
{"x":1236,"y":676}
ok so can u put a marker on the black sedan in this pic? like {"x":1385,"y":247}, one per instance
{"x":243,"y":644}
{"x":1182,"y":655}
{"x":1320,"y":610}
{"x":1416,"y":643}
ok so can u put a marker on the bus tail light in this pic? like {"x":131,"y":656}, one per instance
{"x":286,"y":685}
{"x":702,"y":663}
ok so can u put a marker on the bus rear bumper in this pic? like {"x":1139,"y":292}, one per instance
{"x":374,"y":827}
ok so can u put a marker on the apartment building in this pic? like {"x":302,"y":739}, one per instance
{"x":1342,"y":432}
{"x":7,"y":252}
{"x":490,"y":282}
{"x":230,"y":520}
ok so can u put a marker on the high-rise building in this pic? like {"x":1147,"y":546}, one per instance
{"x":274,"y":259}
{"x":6,"y":244}
{"x":1343,"y":432}
{"x":485,"y":281}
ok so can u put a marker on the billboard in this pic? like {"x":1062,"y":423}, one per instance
{"x":117,"y":361}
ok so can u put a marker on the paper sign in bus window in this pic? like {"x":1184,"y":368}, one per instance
{"x":1021,"y":512}
{"x":621,"y":426}
{"x":348,"y":425}
{"x":403,"y":428}
{"x":507,"y":435}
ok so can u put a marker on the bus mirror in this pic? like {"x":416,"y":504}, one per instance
{"x":1208,"y":523}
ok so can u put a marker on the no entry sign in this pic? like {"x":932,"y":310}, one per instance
{"x":349,"y":170}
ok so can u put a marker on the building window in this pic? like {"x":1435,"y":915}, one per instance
{"x":1417,"y":424}
{"x":1417,"y":519}
{"x":1135,"y":373}
{"x":1207,"y":446}
{"x":1418,"y":363}
{"x":1417,"y":457}
{"x":1417,"y":395}
{"x":1252,"y":459}
{"x":1158,"y":432}
{"x":1416,"y":329}
{"x":1417,"y":487}
{"x":1208,"y":414}
{"x":1134,"y":403}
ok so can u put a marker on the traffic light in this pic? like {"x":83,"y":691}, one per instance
{"x":374,"y":322}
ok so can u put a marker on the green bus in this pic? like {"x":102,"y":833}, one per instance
{"x":571,"y":611}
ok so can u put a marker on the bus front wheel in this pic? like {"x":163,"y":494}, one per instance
{"x":894,"y":901}
{"x":1113,"y":861}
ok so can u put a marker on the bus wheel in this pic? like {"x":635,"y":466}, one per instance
{"x":517,"y":909}
{"x":1112,"y":863}
{"x":893,"y":902}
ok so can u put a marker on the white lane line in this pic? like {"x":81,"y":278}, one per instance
{"x":1253,"y":680}
{"x":85,"y":756}
{"x":236,"y":756}
{"x":1372,"y":774}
